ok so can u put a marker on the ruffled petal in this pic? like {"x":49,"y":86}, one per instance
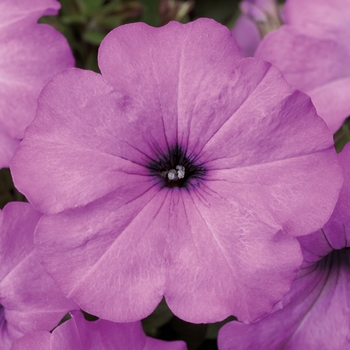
{"x":315,"y":313}
{"x":79,"y":334}
{"x":333,"y":102}
{"x":30,"y":298}
{"x":31,"y":54}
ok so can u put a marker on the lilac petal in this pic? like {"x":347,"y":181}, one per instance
{"x":247,"y":174}
{"x":79,"y":334}
{"x":336,"y":233}
{"x":226,"y":271}
{"x":71,"y":182}
{"x":333,"y":102}
{"x":16,"y":220}
{"x":65,"y":143}
{"x":302,"y":14}
{"x":25,"y":70}
{"x":30,"y":298}
{"x":109,"y":267}
{"x":16,"y":11}
{"x":30,"y":54}
{"x":259,"y":10}
{"x":337,"y":228}
{"x":297,"y":55}
{"x":262,"y":187}
{"x":155,"y":344}
{"x":314,"y":247}
{"x":169,"y":69}
{"x":313,"y":53}
{"x":8,"y":146}
{"x":315,"y":313}
{"x":39,"y":340}
{"x":246,"y":35}
{"x":25,"y":297}
{"x":104,"y":270}
{"x":284,"y":113}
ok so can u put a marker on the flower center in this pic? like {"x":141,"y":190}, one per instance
{"x":176,"y":168}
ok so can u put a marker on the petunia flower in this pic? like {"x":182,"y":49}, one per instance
{"x":259,"y":17}
{"x":30,"y":54}
{"x":79,"y":334}
{"x":247,"y":35}
{"x":29,"y":298}
{"x":313,"y":52}
{"x":183,"y":171}
{"x":316,"y":311}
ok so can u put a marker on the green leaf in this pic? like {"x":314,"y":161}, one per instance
{"x":150,"y":12}
{"x":92,"y":6}
{"x":213,"y":328}
{"x":91,"y":61}
{"x":342,"y":136}
{"x":93,"y":37}
{"x":159,"y":317}
{"x":110,"y":22}
{"x":220,"y":10}
{"x":73,"y":19}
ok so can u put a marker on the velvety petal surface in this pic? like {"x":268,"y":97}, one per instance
{"x":79,"y":334}
{"x":30,"y":54}
{"x":114,"y":237}
{"x":30,"y":298}
{"x":316,"y":310}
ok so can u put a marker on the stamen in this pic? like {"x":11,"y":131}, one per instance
{"x":176,"y":169}
{"x":177,"y":174}
{"x":180,"y":171}
{"x":172,"y":175}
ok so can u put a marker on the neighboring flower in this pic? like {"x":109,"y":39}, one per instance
{"x":30,"y":54}
{"x":29,"y":298}
{"x":259,"y":17}
{"x":184,"y":171}
{"x":316,"y":311}
{"x":313,"y":52}
{"x":247,"y":35}
{"x":79,"y":334}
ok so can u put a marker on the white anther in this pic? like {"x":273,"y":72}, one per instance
{"x":180,"y":171}
{"x":172,"y":174}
